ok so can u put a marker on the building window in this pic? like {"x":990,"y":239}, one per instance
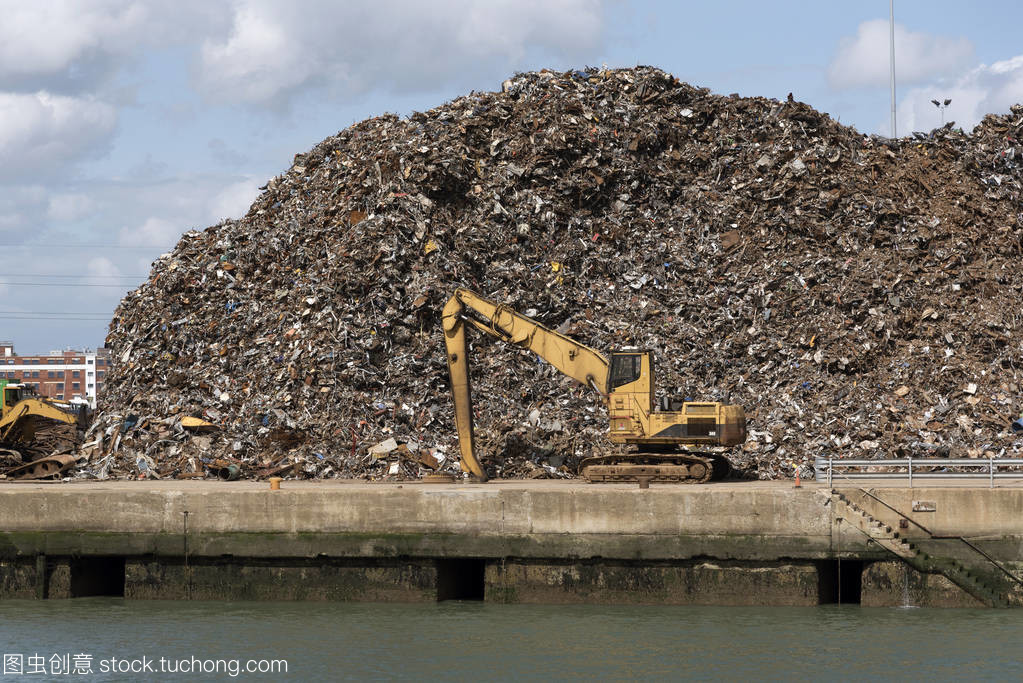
{"x":100,"y":361}
{"x":100,"y":374}
{"x":75,"y":373}
{"x":89,"y":361}
{"x":51,"y":374}
{"x":60,"y":386}
{"x":35,"y":373}
{"x":91,"y":385}
{"x":60,"y":396}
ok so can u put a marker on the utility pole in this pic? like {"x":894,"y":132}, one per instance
{"x":891,"y":31}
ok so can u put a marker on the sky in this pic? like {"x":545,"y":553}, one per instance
{"x":124,"y":123}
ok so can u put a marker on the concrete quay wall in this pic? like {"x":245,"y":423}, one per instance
{"x":730,"y":543}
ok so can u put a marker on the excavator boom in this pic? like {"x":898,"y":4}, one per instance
{"x":22,"y":413}
{"x":661,"y":438}
{"x":465,"y":307}
{"x":17,"y":423}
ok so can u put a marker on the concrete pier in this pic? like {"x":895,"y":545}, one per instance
{"x":516,"y":541}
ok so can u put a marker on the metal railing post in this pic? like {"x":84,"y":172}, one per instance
{"x":933,"y":468}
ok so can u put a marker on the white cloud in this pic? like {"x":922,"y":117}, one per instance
{"x":154,"y":232}
{"x":275,"y":49}
{"x":262,"y":51}
{"x":234,"y":200}
{"x":102,"y":267}
{"x":78,"y":40}
{"x":980,"y":91}
{"x":68,"y":207}
{"x":863,"y":60}
{"x":41,"y":133}
{"x":100,"y":270}
{"x":19,"y":207}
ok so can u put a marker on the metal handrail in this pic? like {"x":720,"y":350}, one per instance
{"x":988,"y":557}
{"x":989,"y":468}
{"x":933,"y":535}
{"x":927,"y":531}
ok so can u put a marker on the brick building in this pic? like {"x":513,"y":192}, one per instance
{"x":63,"y":375}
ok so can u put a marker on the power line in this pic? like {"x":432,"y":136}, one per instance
{"x":50,"y":313}
{"x":82,"y":275}
{"x":17,"y":317}
{"x":61,"y":284}
{"x":58,"y":245}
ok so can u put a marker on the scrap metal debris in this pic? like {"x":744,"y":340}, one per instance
{"x":843,"y":288}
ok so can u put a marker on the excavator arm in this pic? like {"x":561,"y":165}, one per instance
{"x":576,"y":360}
{"x":18,"y":423}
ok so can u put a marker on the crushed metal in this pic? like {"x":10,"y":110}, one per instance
{"x":843,"y":288}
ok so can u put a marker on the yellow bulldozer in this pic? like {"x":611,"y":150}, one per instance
{"x":679,"y":442}
{"x":22,"y":416}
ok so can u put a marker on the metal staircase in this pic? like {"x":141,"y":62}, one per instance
{"x":964,"y":576}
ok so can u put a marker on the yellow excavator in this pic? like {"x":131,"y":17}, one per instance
{"x":22,"y":414}
{"x":669,"y":442}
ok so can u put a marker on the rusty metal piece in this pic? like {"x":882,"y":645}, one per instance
{"x":42,"y":468}
{"x":230,"y":472}
{"x":439,"y":478}
{"x":275,"y":483}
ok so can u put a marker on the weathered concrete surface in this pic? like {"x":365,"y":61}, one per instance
{"x":729,"y":543}
{"x":975,"y":511}
{"x":542,"y":519}
{"x":35,"y":577}
{"x":691,"y":583}
{"x":896,"y":584}
{"x":246,"y":580}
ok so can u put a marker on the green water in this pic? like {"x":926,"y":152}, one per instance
{"x":459,"y":641}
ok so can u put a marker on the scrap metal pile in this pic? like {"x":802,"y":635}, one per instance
{"x":858,"y":296}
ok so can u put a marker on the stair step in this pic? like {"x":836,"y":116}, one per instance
{"x":951,"y":568}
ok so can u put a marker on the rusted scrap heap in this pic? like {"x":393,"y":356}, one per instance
{"x":858,"y":296}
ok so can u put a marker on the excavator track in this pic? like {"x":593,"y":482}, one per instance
{"x":673,"y":468}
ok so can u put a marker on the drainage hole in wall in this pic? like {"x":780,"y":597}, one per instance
{"x":840,"y":583}
{"x":94,"y":576}
{"x":460,"y":579}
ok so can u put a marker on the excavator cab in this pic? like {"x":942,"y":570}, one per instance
{"x":14,"y":393}
{"x":636,"y":418}
{"x":631,"y":371}
{"x":630,"y":390}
